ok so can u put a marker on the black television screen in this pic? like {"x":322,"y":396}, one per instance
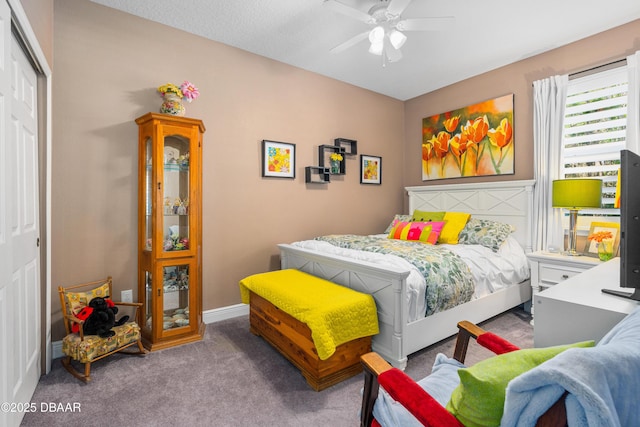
{"x":629,"y":225}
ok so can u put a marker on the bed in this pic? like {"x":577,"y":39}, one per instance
{"x":508,"y":202}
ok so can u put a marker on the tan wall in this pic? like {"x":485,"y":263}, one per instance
{"x":40,"y":14}
{"x":108,"y":65}
{"x":518,"y":79}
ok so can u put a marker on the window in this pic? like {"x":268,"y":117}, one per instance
{"x":594,"y":133}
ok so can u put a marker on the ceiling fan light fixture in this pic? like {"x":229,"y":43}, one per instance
{"x":376,"y":48}
{"x":376,"y":35}
{"x":397,"y":39}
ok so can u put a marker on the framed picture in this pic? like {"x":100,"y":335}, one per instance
{"x":475,"y":140}
{"x":370,"y":169}
{"x":591,"y":247}
{"x":278,"y":159}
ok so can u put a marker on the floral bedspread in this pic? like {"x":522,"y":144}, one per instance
{"x":448,"y":278}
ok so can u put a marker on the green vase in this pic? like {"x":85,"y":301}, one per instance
{"x":605,"y":250}
{"x":335,"y":167}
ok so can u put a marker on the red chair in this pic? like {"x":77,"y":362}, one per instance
{"x":377,"y":372}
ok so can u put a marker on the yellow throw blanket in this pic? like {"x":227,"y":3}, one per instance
{"x":334,"y":314}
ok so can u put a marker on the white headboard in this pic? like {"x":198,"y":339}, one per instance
{"x":510,"y":202}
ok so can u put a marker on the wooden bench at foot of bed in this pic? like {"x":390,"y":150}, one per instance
{"x":292,"y":339}
{"x":319,"y":326}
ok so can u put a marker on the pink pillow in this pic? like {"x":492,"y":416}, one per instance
{"x":426,"y":232}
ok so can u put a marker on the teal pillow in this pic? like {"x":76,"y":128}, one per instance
{"x":485,"y":232}
{"x":479,"y":399}
{"x":424,"y":216}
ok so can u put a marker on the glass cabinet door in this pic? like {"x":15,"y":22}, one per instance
{"x":175,"y":228}
{"x":148,"y":306}
{"x":148,"y":196}
{"x":175,"y":296}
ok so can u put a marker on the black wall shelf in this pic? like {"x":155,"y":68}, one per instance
{"x":323,"y":149}
{"x":317,"y":175}
{"x":350,"y":145}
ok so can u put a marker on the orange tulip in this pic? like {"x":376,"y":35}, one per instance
{"x":477,"y":129}
{"x":441,"y":143}
{"x":501,"y":136}
{"x":451,"y":123}
{"x":427,"y":151}
{"x":459,"y":144}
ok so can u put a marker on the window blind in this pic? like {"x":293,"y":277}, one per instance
{"x":595,"y":131}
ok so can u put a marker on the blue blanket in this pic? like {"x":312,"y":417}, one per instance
{"x":603,"y":383}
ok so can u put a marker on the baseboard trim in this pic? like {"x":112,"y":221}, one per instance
{"x":224,"y":313}
{"x":56,"y":349}
{"x":209,"y":316}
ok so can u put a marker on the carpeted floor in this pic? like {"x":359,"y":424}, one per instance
{"x":230,"y":378}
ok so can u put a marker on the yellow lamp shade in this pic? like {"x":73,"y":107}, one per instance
{"x":577,"y":193}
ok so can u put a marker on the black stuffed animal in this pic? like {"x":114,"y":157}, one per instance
{"x":102,"y":318}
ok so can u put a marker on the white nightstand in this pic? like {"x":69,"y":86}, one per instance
{"x":548,"y":269}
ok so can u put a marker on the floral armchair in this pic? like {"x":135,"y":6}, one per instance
{"x":86,"y":349}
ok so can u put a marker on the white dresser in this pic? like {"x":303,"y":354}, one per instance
{"x":577,"y":310}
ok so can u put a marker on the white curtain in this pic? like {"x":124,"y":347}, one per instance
{"x":549,"y":97}
{"x":633,"y":103}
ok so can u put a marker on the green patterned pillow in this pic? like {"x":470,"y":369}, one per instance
{"x":479,"y":399}
{"x":485,"y":232}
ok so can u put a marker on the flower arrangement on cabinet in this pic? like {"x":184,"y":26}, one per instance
{"x":186,"y":91}
{"x":173,"y":96}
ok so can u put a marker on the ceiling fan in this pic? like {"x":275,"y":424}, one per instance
{"x":387,"y":35}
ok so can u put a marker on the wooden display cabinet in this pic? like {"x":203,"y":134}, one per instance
{"x":170,"y":229}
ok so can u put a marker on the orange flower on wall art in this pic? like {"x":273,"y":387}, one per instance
{"x":475,"y":140}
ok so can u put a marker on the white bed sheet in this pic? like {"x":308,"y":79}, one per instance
{"x":491,"y":271}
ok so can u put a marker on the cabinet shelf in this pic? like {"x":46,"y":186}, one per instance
{"x":176,"y":168}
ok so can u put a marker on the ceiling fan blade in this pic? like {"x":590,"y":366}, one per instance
{"x":426,"y":24}
{"x":392,"y":54}
{"x":396,"y":7}
{"x":336,"y":6}
{"x":352,"y":41}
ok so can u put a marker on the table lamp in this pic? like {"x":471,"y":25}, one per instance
{"x":576,"y":194}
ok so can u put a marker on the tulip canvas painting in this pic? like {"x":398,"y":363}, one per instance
{"x":475,"y":140}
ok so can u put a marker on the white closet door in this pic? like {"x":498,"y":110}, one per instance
{"x":20,"y":299}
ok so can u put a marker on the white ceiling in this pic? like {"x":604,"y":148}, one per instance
{"x":486,"y":35}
